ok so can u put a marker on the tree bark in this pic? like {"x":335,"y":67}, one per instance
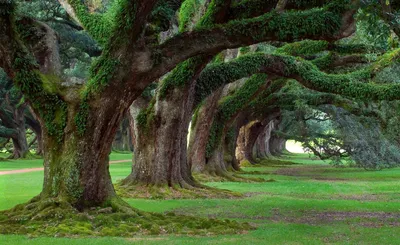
{"x":161,"y":144}
{"x":34,"y":124}
{"x":14,"y":119}
{"x":277,"y":145}
{"x":123,"y":139}
{"x":247,"y":137}
{"x":200,"y":131}
{"x":76,"y":166}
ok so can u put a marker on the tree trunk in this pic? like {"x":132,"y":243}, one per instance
{"x":247,"y":137}
{"x":20,"y":143}
{"x":161,"y":141}
{"x":223,"y":157}
{"x":76,"y":164}
{"x":268,"y":134}
{"x":122,"y":141}
{"x":33,"y":123}
{"x":277,"y":145}
{"x":200,"y":131}
{"x":261,"y":144}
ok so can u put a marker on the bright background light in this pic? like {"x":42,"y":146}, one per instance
{"x":294,"y":147}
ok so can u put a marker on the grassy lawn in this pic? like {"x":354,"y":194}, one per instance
{"x":306,"y":203}
{"x":7,"y":165}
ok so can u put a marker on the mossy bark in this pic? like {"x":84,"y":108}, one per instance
{"x":161,"y":144}
{"x":246,"y":141}
{"x":200,"y":131}
{"x":76,"y":166}
{"x":222,"y":160}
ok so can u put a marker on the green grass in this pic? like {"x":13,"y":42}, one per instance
{"x":295,"y":209}
{"x":7,"y":165}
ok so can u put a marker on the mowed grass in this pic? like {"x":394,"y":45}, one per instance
{"x":7,"y":165}
{"x":307,"y":203}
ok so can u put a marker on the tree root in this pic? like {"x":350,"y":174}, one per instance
{"x":55,"y":217}
{"x":137,"y":190}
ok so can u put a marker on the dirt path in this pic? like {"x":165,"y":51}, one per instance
{"x":28,"y":170}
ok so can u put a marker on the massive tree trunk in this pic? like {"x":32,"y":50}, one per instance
{"x":223,"y":158}
{"x":249,"y":133}
{"x":200,"y":131}
{"x":246,"y":141}
{"x":276,"y":144}
{"x":77,"y":165}
{"x":161,"y":141}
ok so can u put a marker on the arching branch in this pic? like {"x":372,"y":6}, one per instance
{"x":320,"y":24}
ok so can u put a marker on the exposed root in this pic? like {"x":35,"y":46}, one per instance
{"x":175,"y":192}
{"x":54,"y":217}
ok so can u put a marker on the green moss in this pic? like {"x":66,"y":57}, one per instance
{"x":182,"y":73}
{"x":49,"y":105}
{"x":146,"y":116}
{"x":50,"y":82}
{"x":187,"y":12}
{"x":34,"y":219}
{"x":97,"y":25}
{"x":292,"y":25}
{"x":231,"y":105}
{"x":303,"y":48}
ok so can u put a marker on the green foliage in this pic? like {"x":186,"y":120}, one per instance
{"x":99,"y":26}
{"x":187,"y":12}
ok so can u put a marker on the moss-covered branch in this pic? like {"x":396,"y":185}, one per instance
{"x":351,"y":84}
{"x":99,"y":26}
{"x":332,"y":22}
{"x":26,"y":74}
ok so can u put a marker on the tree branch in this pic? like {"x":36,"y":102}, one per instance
{"x":320,"y":24}
{"x":305,"y":72}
